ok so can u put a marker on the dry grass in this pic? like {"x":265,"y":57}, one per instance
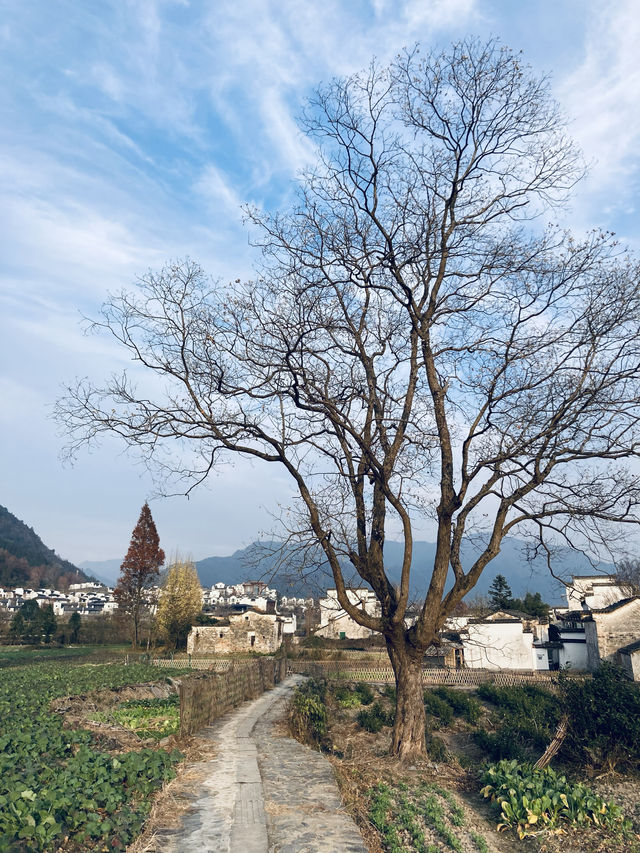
{"x":365,"y":762}
{"x":173,"y":800}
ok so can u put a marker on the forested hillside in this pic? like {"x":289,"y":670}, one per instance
{"x":26,"y":561}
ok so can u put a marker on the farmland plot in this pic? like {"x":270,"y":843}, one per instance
{"x":58,"y":789}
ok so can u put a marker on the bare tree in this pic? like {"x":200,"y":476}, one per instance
{"x":409,"y":348}
{"x":628,"y":576}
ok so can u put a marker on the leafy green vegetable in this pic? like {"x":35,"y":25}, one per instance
{"x":531,"y":800}
{"x":55,"y":782}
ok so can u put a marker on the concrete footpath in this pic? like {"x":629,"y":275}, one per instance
{"x":265,"y":792}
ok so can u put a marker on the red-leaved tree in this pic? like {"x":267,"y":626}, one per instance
{"x":139,"y":569}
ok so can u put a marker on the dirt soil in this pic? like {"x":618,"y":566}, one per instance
{"x":79,"y":710}
{"x":361,"y":760}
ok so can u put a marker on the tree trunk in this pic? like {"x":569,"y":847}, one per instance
{"x":408,"y":740}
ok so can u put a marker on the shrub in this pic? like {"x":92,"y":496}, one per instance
{"x":389,"y":692}
{"x":531,"y":800}
{"x":526,"y":699}
{"x":365,"y":693}
{"x":528,"y":715}
{"x":604,"y":718}
{"x":308,"y":717}
{"x":437,"y":707}
{"x":346,"y":697}
{"x":374,"y":718}
{"x":461,"y":704}
{"x":437,"y":749}
{"x":510,"y":741}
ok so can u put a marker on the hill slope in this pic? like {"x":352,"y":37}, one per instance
{"x":26,"y":561}
{"x":521,"y":575}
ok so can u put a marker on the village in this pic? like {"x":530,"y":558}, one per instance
{"x":600,"y":622}
{"x":346,"y":298}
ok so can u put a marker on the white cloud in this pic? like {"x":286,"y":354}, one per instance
{"x":218,"y":190}
{"x":603,"y":97}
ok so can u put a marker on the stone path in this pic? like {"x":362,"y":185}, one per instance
{"x":265,"y":792}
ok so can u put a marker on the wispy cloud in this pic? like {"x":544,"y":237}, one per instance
{"x":134,"y":129}
{"x":603,"y":97}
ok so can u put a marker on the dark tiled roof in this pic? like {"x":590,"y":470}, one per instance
{"x":631,"y":647}
{"x":616,"y":604}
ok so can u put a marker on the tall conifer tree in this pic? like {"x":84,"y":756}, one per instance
{"x":139,"y":569}
{"x":500,"y":593}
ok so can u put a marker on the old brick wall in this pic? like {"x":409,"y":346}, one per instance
{"x":237,"y":636}
{"x":612,"y":631}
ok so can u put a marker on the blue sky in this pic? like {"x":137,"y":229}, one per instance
{"x":131,"y":133}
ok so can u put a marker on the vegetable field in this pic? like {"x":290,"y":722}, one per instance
{"x":58,"y":789}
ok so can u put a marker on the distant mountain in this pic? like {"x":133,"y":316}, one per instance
{"x":522,"y":576}
{"x":106,"y":571}
{"x":26,"y":561}
{"x":257,"y":562}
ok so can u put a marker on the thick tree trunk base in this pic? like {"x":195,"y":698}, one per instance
{"x":408,"y":737}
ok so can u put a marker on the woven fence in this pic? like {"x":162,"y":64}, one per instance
{"x":345,"y":670}
{"x":214,"y":665}
{"x":206,"y":696}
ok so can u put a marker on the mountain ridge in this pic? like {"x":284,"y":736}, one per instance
{"x":26,"y":561}
{"x":522,"y":575}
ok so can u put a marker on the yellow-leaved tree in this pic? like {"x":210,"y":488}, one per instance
{"x":180,"y":602}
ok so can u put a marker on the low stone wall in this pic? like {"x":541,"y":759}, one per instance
{"x":207,"y":696}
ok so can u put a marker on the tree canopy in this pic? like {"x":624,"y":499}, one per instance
{"x":410,"y":349}
{"x":180,"y":602}
{"x":500,"y":593}
{"x":140,"y":569}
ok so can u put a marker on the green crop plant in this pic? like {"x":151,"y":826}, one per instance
{"x":531,"y":800}
{"x":480,"y":842}
{"x":418,"y":817}
{"x":148,"y":718}
{"x":56,"y":782}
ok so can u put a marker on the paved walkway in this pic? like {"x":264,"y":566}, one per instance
{"x":265,"y":792}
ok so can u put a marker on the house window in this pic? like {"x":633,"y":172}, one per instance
{"x":246,"y":618}
{"x":221,"y":635}
{"x":253,"y":639}
{"x":343,"y":635}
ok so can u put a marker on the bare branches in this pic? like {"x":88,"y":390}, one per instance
{"x":405,"y":338}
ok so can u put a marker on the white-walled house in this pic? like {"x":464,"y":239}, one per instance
{"x":568,"y":644}
{"x":593,"y":592}
{"x":504,"y":640}
{"x":610,"y":629}
{"x":336,"y":624}
{"x":289,"y":624}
